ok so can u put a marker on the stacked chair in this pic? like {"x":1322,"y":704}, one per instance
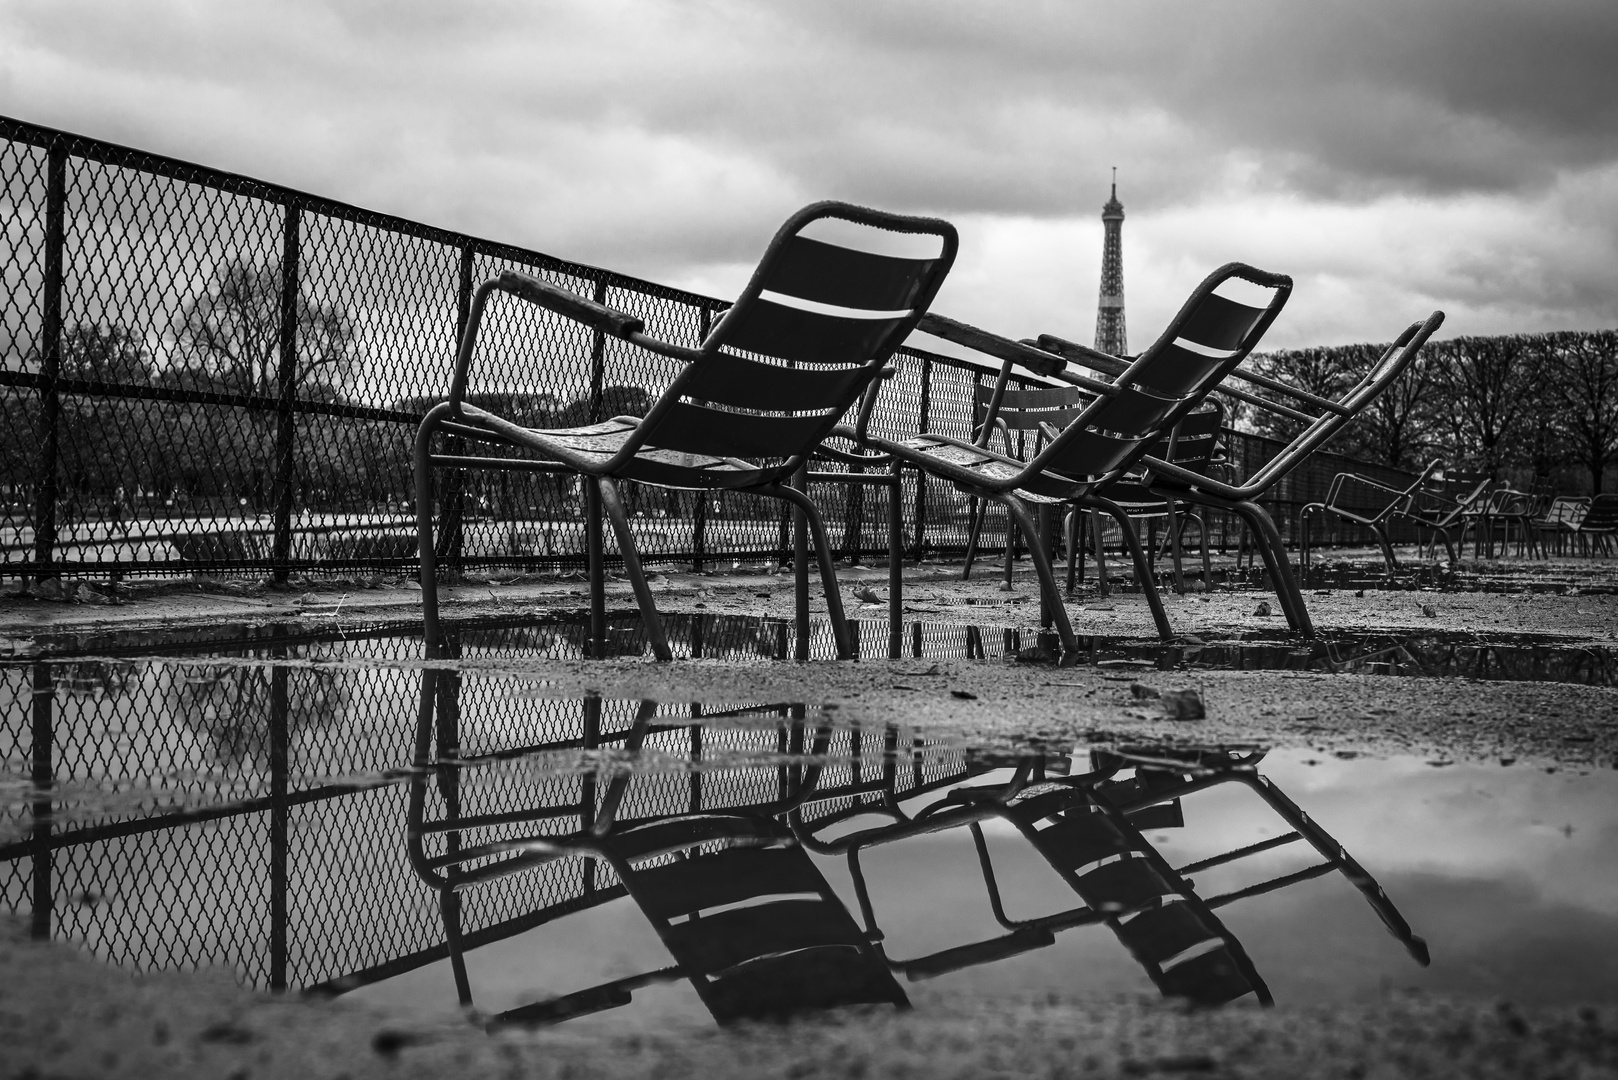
{"x":1209,"y":325}
{"x":1124,"y":419}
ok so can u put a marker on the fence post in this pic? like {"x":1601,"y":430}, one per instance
{"x":452,"y":502}
{"x":50,"y":353}
{"x":44,"y":777}
{"x":280,"y":714}
{"x":925,"y":426}
{"x":286,"y":378}
{"x":598,"y":360}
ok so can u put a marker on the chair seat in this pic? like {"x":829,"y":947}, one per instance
{"x":963,"y":464}
{"x":597,"y":443}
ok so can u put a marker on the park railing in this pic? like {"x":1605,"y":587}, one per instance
{"x":204,"y":372}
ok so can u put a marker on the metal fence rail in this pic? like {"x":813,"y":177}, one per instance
{"x":200,"y":371}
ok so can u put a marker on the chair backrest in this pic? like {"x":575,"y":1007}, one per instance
{"x":806,"y":337}
{"x":1192,"y":446}
{"x":1393,"y":362}
{"x":1567,"y":510}
{"x":754,"y":924}
{"x":1602,"y":515}
{"x":1203,"y":343}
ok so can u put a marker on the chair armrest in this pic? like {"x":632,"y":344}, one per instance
{"x":1036,"y":360}
{"x":1074,"y":353}
{"x":571,"y":304}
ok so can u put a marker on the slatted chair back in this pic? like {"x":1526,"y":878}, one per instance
{"x":754,"y":924}
{"x":1335,"y":415}
{"x":1602,"y":516}
{"x":805,"y":339}
{"x":1565,"y":512}
{"x":1043,"y":409}
{"x":1206,"y":340}
{"x":1192,"y":445}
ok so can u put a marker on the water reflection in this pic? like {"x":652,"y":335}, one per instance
{"x":750,"y":920}
{"x":214,"y":699}
{"x":880,"y":855}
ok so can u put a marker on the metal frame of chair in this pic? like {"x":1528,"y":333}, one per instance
{"x":1599,"y":525}
{"x":780,"y":917}
{"x":1203,"y":343}
{"x":806,"y":339}
{"x":1561,"y":518}
{"x":1243,"y":499}
{"x":1342,"y":500}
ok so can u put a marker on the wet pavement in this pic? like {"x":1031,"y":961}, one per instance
{"x":296,"y":806}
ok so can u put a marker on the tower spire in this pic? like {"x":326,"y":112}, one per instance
{"x":1110,"y":335}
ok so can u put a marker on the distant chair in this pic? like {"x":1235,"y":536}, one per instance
{"x":1210,"y":335}
{"x":1561,"y":519}
{"x":1596,"y":529}
{"x":805,"y":341}
{"x":1243,"y":499}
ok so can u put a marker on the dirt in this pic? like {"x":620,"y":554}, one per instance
{"x":62,"y":1014}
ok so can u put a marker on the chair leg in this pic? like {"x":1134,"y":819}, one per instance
{"x":1143,"y":567}
{"x":1207,"y":557}
{"x":1267,"y":539}
{"x":596,"y":565}
{"x":896,"y":570}
{"x":1386,"y":543}
{"x":1103,"y":586}
{"x":1174,"y":547}
{"x":449,"y":904}
{"x":975,"y":509}
{"x":1070,"y":526}
{"x":1047,"y":577}
{"x":424,"y":540}
{"x":800,"y":571}
{"x":828,"y":573}
{"x":637,"y":576}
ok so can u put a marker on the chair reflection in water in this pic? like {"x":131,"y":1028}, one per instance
{"x":1089,"y":831}
{"x":744,"y":913}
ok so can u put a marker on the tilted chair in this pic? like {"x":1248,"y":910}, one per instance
{"x":1169,"y":479}
{"x":1204,"y":342}
{"x":805,"y":340}
{"x":1026,"y":418}
{"x":1561,"y":519}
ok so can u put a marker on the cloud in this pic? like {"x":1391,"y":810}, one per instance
{"x":1389,"y":153}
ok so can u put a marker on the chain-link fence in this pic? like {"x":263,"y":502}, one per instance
{"x":202,"y":372}
{"x":247,"y":806}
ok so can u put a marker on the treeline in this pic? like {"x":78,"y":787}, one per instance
{"x":1531,"y":408}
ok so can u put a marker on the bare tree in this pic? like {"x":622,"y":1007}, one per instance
{"x":230,"y":335}
{"x":1582,"y":370}
{"x":1487,"y":387}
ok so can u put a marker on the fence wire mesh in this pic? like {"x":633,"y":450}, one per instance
{"x":247,"y":807}
{"x":202,"y":372}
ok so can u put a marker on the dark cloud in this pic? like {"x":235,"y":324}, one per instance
{"x":669,"y":139}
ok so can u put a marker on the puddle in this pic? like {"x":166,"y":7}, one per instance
{"x":280,"y":821}
{"x":91,"y":663}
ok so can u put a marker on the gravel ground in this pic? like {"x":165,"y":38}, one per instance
{"x":62,"y":1014}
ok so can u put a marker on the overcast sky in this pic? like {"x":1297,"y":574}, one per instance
{"x":1391,"y":155}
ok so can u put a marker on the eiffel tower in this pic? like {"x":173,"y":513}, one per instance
{"x":1110,"y":336}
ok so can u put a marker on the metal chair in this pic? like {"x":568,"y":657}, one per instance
{"x":1243,"y":499}
{"x":1561,"y":519}
{"x":1598,"y":526}
{"x":1205,"y":341}
{"x":805,"y":340}
{"x":772,"y":939}
{"x":1372,"y":504}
